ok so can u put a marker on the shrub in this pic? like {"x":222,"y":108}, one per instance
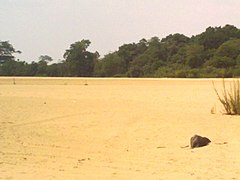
{"x":164,"y":72}
{"x":181,"y":73}
{"x":230,"y":98}
{"x":193,"y":73}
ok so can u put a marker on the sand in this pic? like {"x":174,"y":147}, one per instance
{"x":61,"y":128}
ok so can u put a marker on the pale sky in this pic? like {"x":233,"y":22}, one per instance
{"x":48,"y":27}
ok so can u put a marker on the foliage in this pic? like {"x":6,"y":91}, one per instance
{"x":195,"y":55}
{"x":45,"y":58}
{"x":230,"y":98}
{"x":80,"y":62}
{"x":212,"y":53}
{"x":110,"y":65}
{"x":6,"y":51}
{"x":221,"y":62}
{"x":213,"y":37}
{"x":229,"y":49}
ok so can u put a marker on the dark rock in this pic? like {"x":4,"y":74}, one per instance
{"x":199,"y":141}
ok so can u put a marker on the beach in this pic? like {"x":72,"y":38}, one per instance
{"x":109,"y":128}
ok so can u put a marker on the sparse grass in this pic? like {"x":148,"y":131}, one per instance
{"x":230,"y":97}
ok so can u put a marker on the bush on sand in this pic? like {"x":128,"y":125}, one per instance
{"x":230,"y":98}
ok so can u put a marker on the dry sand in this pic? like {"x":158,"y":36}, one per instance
{"x":59,"y":128}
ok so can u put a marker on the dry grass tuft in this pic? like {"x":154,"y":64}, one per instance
{"x":230,"y":98}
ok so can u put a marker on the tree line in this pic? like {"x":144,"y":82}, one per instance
{"x":212,"y":53}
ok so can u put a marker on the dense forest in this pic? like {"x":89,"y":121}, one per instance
{"x":213,"y":53}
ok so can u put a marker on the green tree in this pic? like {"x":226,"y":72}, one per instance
{"x":7,"y":51}
{"x":111,"y":65}
{"x":135,"y":71}
{"x":195,"y":55}
{"x":226,"y":55}
{"x":230,"y":48}
{"x":221,"y":62}
{"x":32,"y":69}
{"x":57,"y":69}
{"x":128,"y":52}
{"x":13,"y":68}
{"x":43,"y":65}
{"x":147,"y":63}
{"x":173,"y":43}
{"x":45,"y":58}
{"x":80,"y":62}
{"x":213,"y":37}
{"x":238,"y":60}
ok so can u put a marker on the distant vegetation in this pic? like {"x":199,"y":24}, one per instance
{"x":213,"y":53}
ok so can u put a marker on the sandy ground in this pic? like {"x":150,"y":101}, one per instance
{"x":59,"y":128}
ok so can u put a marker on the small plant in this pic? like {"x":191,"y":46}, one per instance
{"x":14,"y":82}
{"x":230,"y":98}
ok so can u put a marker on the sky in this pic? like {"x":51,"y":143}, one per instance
{"x":49,"y":27}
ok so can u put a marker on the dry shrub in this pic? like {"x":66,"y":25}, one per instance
{"x":230,"y":97}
